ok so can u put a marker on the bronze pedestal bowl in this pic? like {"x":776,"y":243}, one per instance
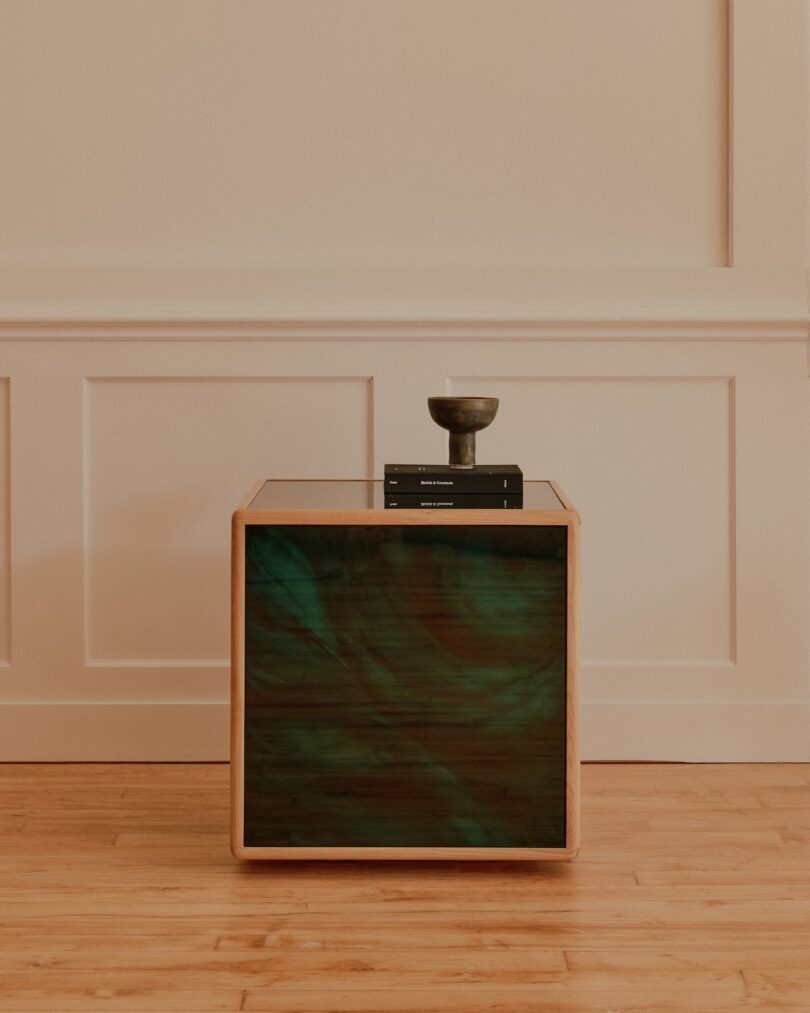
{"x":463,"y":416}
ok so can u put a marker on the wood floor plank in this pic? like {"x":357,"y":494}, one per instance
{"x":786,"y":985}
{"x":640,"y":963}
{"x":480,"y":999}
{"x":787,"y":798}
{"x":60,"y":995}
{"x":118,"y":893}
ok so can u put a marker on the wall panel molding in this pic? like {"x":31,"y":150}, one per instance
{"x":5,"y":521}
{"x":620,"y":327}
{"x":161,"y":459}
{"x":588,"y":442}
{"x":370,"y":302}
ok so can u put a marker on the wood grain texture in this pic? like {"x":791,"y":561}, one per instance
{"x":118,"y":893}
{"x":325,"y":833}
{"x":405,"y":687}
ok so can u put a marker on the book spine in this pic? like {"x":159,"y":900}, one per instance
{"x":440,"y":501}
{"x":463,"y":485}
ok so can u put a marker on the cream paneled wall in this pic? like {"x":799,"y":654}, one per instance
{"x":249,"y":239}
{"x":687,"y":460}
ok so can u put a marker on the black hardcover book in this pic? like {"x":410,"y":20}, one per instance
{"x":451,"y":501}
{"x":481,"y":478}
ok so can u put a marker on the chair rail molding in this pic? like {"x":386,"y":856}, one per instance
{"x":742,"y":303}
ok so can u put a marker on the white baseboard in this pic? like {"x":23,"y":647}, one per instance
{"x":87,"y":732}
{"x":697,"y":732}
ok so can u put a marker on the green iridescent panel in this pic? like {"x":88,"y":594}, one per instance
{"x":405,"y":686}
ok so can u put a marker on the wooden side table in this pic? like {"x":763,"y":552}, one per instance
{"x":403,"y":681}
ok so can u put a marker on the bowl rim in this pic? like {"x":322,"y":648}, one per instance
{"x":465,"y":397}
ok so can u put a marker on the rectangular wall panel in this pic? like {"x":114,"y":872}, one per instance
{"x":466,"y":132}
{"x":5,"y":521}
{"x":648,"y":461}
{"x":163,"y":458}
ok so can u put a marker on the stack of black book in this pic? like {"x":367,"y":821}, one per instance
{"x":438,"y":486}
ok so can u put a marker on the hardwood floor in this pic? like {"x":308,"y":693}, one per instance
{"x":117,"y":892}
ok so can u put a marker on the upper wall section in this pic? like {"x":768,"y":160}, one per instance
{"x":555,"y":159}
{"x":555,"y":133}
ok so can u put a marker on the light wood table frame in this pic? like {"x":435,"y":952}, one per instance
{"x":289,"y":506}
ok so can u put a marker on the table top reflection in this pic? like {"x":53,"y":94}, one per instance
{"x":362,"y":494}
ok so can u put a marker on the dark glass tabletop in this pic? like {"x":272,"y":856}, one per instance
{"x":361,"y":494}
